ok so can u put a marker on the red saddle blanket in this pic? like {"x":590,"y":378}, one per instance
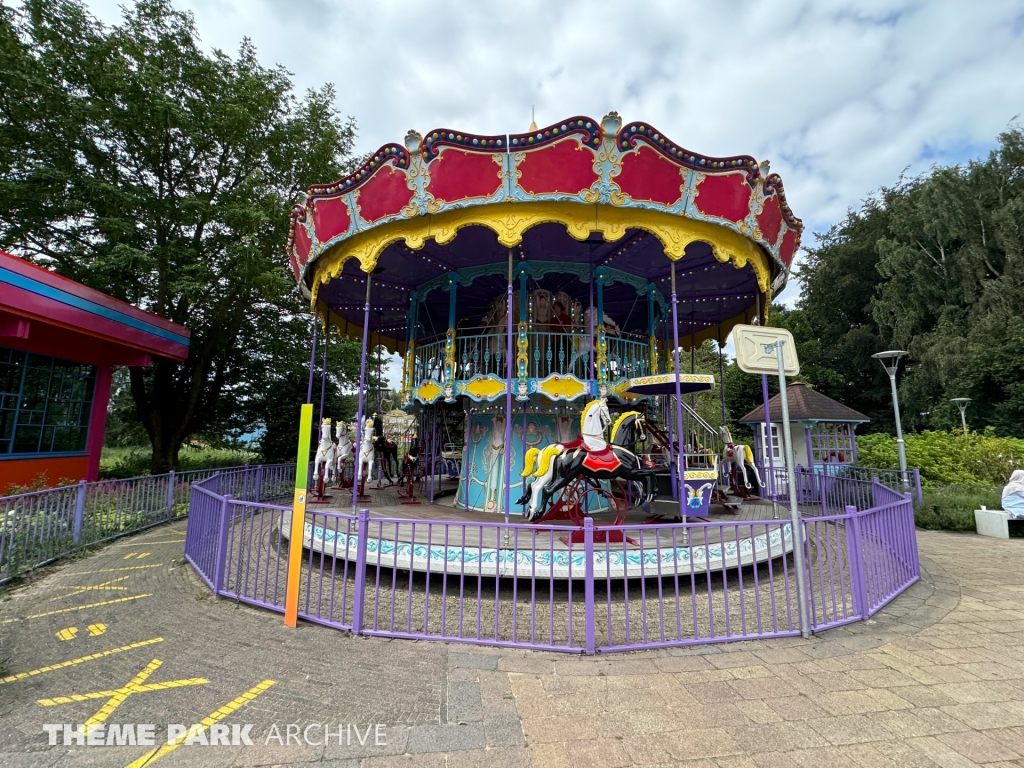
{"x":605,"y":460}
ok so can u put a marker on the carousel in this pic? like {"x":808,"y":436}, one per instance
{"x":547,"y":292}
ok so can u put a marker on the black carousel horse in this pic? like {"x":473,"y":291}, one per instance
{"x":618,"y":461}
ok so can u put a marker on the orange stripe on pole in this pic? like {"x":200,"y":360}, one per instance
{"x":295,"y":532}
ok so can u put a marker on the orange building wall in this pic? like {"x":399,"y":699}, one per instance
{"x":25,"y":471}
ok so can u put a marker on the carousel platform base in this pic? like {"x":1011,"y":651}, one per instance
{"x":439,"y":538}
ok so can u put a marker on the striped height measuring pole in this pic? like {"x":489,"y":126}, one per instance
{"x":291,"y":599}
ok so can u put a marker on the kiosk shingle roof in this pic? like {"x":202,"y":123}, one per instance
{"x":805,"y":404}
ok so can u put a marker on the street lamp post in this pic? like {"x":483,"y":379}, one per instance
{"x":890,"y":360}
{"x":961,"y":403}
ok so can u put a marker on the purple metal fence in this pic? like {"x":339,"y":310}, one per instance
{"x":555,"y":587}
{"x":40,"y":527}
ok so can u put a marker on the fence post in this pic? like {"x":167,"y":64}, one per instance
{"x":362,"y":531}
{"x":170,"y":494}
{"x":856,"y":562}
{"x":257,"y":492}
{"x":588,"y":583}
{"x":917,"y":486}
{"x":76,"y":534}
{"x":222,"y":545}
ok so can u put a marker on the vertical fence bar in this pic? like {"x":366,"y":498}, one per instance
{"x":170,"y":494}
{"x":222,"y":545}
{"x":362,"y":529}
{"x":917,"y":486}
{"x":588,"y":587}
{"x":76,"y":535}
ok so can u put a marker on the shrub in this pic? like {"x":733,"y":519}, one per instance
{"x":120,"y":463}
{"x":951,"y":508}
{"x":948,"y":458}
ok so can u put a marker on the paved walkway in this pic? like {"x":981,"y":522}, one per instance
{"x":130,"y":635}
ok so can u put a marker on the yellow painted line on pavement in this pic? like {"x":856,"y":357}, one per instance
{"x":215,"y":717}
{"x":138,"y":543}
{"x":66,"y":634}
{"x":95,"y":630}
{"x":136,"y":555}
{"x":105,"y":586}
{"x":114,"y":570}
{"x":77,"y":608}
{"x":81,"y":660}
{"x":115,"y":698}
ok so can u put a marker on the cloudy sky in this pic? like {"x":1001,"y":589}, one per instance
{"x":841,"y":97}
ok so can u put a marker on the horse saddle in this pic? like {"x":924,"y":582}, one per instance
{"x":604,"y":460}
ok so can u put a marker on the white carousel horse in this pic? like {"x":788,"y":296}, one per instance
{"x":366,"y":452}
{"x":344,"y":448}
{"x":610,"y":326}
{"x":323,"y":463}
{"x":738,"y":455}
{"x":595,"y":420}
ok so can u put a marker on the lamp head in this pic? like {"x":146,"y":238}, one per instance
{"x":961,"y":402}
{"x":890,"y":359}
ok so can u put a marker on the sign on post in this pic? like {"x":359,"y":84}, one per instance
{"x":750,"y":342}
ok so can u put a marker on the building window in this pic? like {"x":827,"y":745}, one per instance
{"x":832,"y":442}
{"x":45,"y":403}
{"x":776,"y":446}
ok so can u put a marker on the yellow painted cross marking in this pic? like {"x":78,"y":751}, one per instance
{"x":67,"y":634}
{"x":76,"y":662}
{"x":116,"y":698}
{"x":105,"y":586}
{"x":95,"y":630}
{"x":114,"y":570}
{"x":136,"y":555}
{"x":77,"y":608}
{"x":215,"y":717}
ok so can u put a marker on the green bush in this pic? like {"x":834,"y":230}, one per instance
{"x":951,"y":508}
{"x":119,"y":463}
{"x":947,"y":458}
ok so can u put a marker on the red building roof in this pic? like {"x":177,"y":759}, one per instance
{"x":45,"y":313}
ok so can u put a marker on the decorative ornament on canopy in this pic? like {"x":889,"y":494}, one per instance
{"x":586,"y":175}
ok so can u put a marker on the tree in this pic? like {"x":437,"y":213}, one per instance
{"x":134,"y":162}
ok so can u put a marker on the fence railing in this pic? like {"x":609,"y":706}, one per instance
{"x":556,"y":587}
{"x":39,"y":527}
{"x":838,"y":486}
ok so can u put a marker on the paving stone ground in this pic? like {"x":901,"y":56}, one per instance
{"x":936,"y":679}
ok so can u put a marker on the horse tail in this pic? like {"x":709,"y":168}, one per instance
{"x":546,"y":457}
{"x":748,"y":454}
{"x":530,"y":461}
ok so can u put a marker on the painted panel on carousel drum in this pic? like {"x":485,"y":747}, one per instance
{"x":486,"y":465}
{"x":384,"y":195}
{"x":302,"y":245}
{"x":725,"y":196}
{"x":458,"y":175}
{"x":331,"y":218}
{"x":566,"y":167}
{"x":647,"y":176}
{"x":788,"y":247}
{"x":769,"y":221}
{"x":699,"y":485}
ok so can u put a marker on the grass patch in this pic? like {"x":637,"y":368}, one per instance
{"x":951,"y":507}
{"x":135,"y":461}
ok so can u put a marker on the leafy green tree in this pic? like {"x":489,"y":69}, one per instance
{"x":135,"y":162}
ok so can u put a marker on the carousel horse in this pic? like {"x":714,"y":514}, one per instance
{"x":388,"y":453}
{"x":323,"y":463}
{"x":589,"y":457}
{"x":344,"y":448}
{"x":365,"y":460}
{"x":738,"y":456}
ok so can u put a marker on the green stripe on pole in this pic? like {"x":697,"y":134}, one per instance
{"x":302,"y":460}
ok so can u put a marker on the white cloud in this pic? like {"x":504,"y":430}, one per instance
{"x":840,"y":96}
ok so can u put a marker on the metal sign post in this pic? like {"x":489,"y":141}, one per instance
{"x":794,"y":511}
{"x":764,"y":350}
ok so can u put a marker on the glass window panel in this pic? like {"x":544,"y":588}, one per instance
{"x":44,"y":403}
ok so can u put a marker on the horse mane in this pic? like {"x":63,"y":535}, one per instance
{"x":620,"y":422}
